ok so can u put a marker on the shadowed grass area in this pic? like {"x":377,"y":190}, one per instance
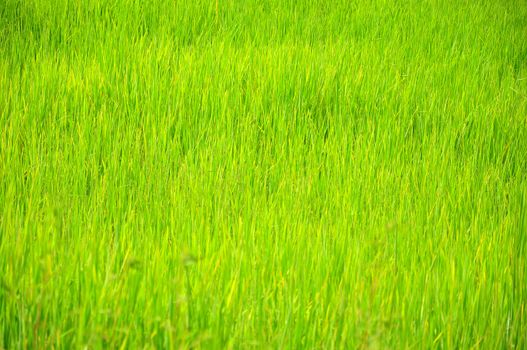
{"x":268,"y":174}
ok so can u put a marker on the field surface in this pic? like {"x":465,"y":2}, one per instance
{"x":263,"y":174}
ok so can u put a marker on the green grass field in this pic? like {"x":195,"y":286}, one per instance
{"x":301,"y":174}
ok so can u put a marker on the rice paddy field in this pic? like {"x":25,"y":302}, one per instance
{"x":267,"y":174}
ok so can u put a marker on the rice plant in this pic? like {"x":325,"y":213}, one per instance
{"x":263,"y":174}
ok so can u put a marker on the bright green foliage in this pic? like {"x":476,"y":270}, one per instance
{"x":263,"y":174}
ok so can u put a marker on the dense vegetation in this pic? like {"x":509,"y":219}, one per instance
{"x":272,"y":173}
